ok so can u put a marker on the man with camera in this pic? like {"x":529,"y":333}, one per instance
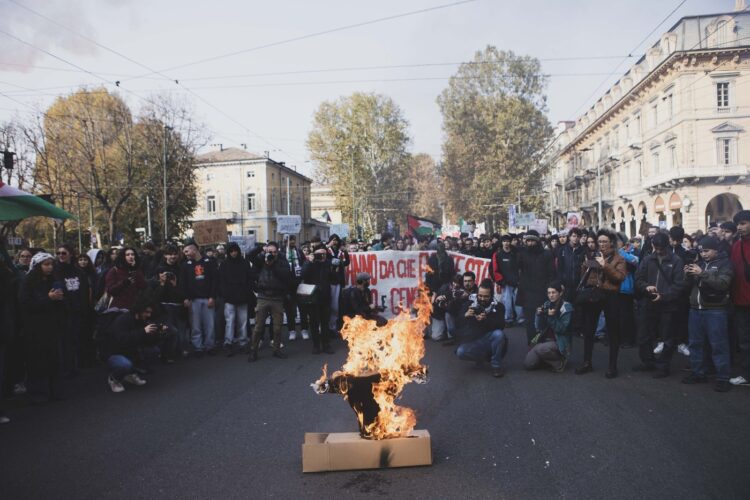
{"x":710,"y":280}
{"x":170,"y":297}
{"x":199,"y":282}
{"x":482,"y":334}
{"x":660,"y":279}
{"x":357,"y":300}
{"x":317,"y":272}
{"x":128,"y":339}
{"x":274,"y":281}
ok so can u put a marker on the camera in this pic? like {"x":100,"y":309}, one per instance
{"x":477,"y":309}
{"x":270,"y":258}
{"x":169,"y":275}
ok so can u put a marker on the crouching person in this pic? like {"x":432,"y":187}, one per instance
{"x":481,"y":335}
{"x":551,"y":344}
{"x":130,"y":338}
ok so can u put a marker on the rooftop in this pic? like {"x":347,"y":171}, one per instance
{"x":228,"y":154}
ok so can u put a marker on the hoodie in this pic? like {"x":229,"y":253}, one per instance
{"x":235,"y":278}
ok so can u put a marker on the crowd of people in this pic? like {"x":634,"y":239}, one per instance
{"x":127,"y":308}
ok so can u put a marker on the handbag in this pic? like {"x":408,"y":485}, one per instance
{"x":586,"y":294}
{"x":306,"y":293}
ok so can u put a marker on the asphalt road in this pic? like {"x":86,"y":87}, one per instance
{"x":223,"y":428}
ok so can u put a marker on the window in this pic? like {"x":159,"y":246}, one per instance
{"x":251,"y":232}
{"x":251,"y":202}
{"x":654,"y":115}
{"x":725,"y":150}
{"x":655,"y":162}
{"x":722,"y":33}
{"x":211,"y":204}
{"x":250,"y":174}
{"x":637,"y":130}
{"x":273,"y":200}
{"x":670,"y":105}
{"x":722,"y":96}
{"x":637,"y":172}
{"x":672,"y":157}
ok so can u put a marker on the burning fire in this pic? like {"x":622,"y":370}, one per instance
{"x":388,"y":357}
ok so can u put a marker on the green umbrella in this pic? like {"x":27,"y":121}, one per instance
{"x":16,"y":205}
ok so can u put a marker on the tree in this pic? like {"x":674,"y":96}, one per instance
{"x":426,"y":193}
{"x":496,"y":132}
{"x":359,"y":145}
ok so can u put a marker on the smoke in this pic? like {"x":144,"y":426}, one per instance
{"x":39,"y":32}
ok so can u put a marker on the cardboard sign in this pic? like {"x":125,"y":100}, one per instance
{"x":396,"y":276}
{"x":288,"y":224}
{"x":540,"y":225}
{"x":210,"y":232}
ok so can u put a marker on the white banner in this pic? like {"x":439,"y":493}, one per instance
{"x":396,"y":276}
{"x":288,"y":224}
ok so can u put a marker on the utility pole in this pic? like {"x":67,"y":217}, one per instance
{"x":164,"y":166}
{"x":288,"y":196}
{"x":148,"y":216}
{"x":80,"y":237}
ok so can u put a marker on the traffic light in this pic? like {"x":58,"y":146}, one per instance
{"x":8,"y":159}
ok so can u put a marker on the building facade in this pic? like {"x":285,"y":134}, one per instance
{"x":667,"y":144}
{"x":324,"y":202}
{"x":249,"y":191}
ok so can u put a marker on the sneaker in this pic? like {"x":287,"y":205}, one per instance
{"x":305,"y":335}
{"x":115,"y":385}
{"x":19,"y":389}
{"x":683,"y":349}
{"x":722,"y":386}
{"x":4,"y":419}
{"x":659,"y":348}
{"x":694,"y":379}
{"x":292,"y":335}
{"x":739,"y":381}
{"x":134,"y":379}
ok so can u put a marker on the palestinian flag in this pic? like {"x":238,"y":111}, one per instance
{"x":16,"y":205}
{"x":421,"y":227}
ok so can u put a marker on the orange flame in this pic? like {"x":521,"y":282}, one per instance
{"x":393,"y":351}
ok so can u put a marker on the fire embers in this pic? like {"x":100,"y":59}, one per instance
{"x":381,"y":361}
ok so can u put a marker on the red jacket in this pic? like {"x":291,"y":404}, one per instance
{"x":741,"y":286}
{"x":119,"y":287}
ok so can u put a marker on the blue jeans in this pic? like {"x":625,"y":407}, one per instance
{"x":450,"y":325}
{"x":120,"y":366}
{"x":512,"y":311}
{"x":203,"y":325}
{"x":709,"y":325}
{"x":492,"y":345}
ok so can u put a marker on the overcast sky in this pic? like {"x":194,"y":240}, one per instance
{"x":266,"y":97}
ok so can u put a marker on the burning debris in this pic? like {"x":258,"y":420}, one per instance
{"x":381,"y":361}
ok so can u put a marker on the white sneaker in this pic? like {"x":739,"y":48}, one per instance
{"x":134,"y":379}
{"x":739,"y":381}
{"x":305,"y":335}
{"x":683,"y":349}
{"x":659,"y":348}
{"x":19,"y":388}
{"x":292,"y":335}
{"x":115,"y":385}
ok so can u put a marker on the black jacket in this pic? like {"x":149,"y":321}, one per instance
{"x":710,"y":289}
{"x":43,"y":317}
{"x":670,"y":282}
{"x":536,"y":269}
{"x":338,"y":272}
{"x":124,"y":336}
{"x":168,"y":294}
{"x":505,"y":263}
{"x":569,"y":265}
{"x":471,"y":328}
{"x":75,"y":285}
{"x":235,"y":280}
{"x":440,"y":275}
{"x":274,"y":280}
{"x":355,"y":302}
{"x":319,"y":274}
{"x":199,"y":278}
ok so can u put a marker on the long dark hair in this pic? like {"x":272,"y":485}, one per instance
{"x":120,"y":262}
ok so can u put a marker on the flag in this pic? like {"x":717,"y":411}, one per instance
{"x":326,"y":216}
{"x":16,"y":205}
{"x":421,"y":227}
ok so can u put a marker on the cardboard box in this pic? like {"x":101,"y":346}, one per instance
{"x":348,"y":451}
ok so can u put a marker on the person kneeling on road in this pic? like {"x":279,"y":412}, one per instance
{"x":551,"y":344}
{"x":481,"y":335}
{"x":127,"y":339}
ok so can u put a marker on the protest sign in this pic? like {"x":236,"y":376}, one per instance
{"x":573,"y":219}
{"x":396,"y":276}
{"x":288,"y":224}
{"x":539,"y":225}
{"x":525,"y":219}
{"x":208,"y":232}
{"x":246,"y":243}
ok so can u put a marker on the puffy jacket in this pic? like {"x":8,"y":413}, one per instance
{"x":671,"y":287}
{"x":710,"y":289}
{"x":631,"y":261}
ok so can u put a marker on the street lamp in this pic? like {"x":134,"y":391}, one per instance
{"x":164,"y":170}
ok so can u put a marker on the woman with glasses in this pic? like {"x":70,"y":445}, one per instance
{"x":23,"y":260}
{"x":602,"y":273}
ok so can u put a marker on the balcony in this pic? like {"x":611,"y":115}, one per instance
{"x":229,"y":216}
{"x":694,"y":173}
